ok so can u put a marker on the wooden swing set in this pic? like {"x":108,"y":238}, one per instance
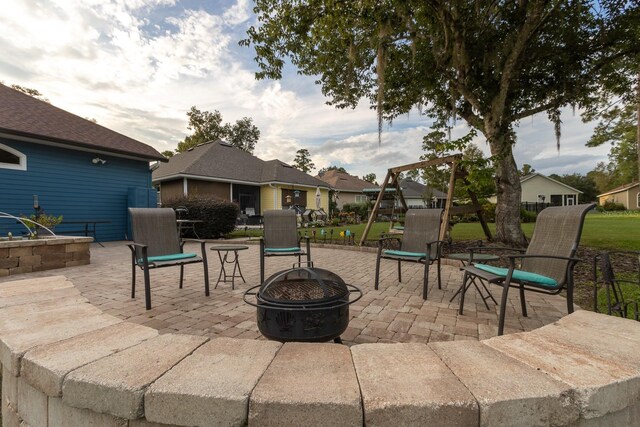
{"x":457,"y":172}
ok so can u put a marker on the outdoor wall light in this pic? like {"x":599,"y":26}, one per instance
{"x":98,"y":160}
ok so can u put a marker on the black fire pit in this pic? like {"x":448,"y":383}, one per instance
{"x":302,"y":304}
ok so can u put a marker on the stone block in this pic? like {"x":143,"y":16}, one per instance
{"x":60,"y":257}
{"x":32,"y":404}
{"x":33,"y":316}
{"x":48,"y":249}
{"x":116,"y":384}
{"x":30,"y":286}
{"x":629,"y":416}
{"x":7,"y":263}
{"x":142,"y":422}
{"x":408,"y":384}
{"x":49,"y":266}
{"x":9,"y":389}
{"x":81,"y":256}
{"x":30,"y":260}
{"x":211,"y":386}
{"x":61,"y":415}
{"x":13,"y":345}
{"x":77,"y":247}
{"x":20,"y":270}
{"x":46,"y":366}
{"x":506,"y":389}
{"x":308,"y":384}
{"x":62,"y":296}
{"x":4,"y":272}
{"x":20,"y":251}
{"x":4,"y":252}
{"x":76,"y":263}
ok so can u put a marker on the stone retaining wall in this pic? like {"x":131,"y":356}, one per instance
{"x":25,"y":256}
{"x":64,"y":363}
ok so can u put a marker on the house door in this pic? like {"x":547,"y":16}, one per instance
{"x":556,"y":200}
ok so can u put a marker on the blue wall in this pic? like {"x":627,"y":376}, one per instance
{"x":69,"y":184}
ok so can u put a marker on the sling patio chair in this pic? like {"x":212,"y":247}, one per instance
{"x":419,"y":244}
{"x":156,"y":245}
{"x":281,"y":237}
{"x":546,"y":266}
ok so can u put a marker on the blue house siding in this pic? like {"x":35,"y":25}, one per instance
{"x":69,"y":184}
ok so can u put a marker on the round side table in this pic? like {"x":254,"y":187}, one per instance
{"x":226,"y":259}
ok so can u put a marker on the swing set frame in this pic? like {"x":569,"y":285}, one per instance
{"x":457,"y":172}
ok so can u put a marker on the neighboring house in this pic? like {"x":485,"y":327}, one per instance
{"x":628,"y":195}
{"x":537,"y":188}
{"x":418,"y":195}
{"x":222,"y":170}
{"x":77,"y":168}
{"x":347,"y":188}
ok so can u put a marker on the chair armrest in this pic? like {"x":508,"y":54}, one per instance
{"x":514,"y":257}
{"x":143,"y":249}
{"x":384,"y":239}
{"x":493,"y":248}
{"x":439,"y":243}
{"x":203,"y":250}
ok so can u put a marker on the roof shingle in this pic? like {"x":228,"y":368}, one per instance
{"x":26,"y":116}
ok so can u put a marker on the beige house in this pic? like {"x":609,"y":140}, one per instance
{"x":628,"y":195}
{"x":347,"y":188}
{"x":538,"y":188}
{"x":222,"y":170}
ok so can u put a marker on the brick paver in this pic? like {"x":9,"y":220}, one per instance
{"x":394,"y":313}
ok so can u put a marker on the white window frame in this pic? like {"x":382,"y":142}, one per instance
{"x":22,"y":158}
{"x":361,"y":198}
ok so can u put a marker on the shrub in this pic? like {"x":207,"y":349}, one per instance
{"x":360,"y":209}
{"x":613,"y":206}
{"x":489,"y":211}
{"x":218,"y":216}
{"x":527,"y":216}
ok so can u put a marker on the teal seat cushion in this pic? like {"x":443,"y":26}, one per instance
{"x":172,"y":257}
{"x":519,"y":275}
{"x":280,"y":250}
{"x":406,"y":254}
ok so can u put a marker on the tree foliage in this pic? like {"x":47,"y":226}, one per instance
{"x":167,"y":153}
{"x":208,"y":126}
{"x":580,"y":182}
{"x":526,"y":169}
{"x":31,"y":92}
{"x":331,"y":168}
{"x":370,"y":177}
{"x":302,"y":161}
{"x":490,"y":63}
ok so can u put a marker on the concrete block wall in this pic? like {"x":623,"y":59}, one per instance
{"x":26,"y":256}
{"x":67,"y":364}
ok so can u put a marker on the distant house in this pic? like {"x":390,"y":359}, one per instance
{"x":418,"y":195}
{"x":222,"y":170}
{"x":347,"y":188}
{"x":538,"y":188}
{"x":628,"y":195}
{"x":77,"y":168}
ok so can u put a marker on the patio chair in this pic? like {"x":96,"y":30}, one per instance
{"x":281,"y":237}
{"x":419,"y":244}
{"x":616,"y":302}
{"x":546,"y":266}
{"x":156,"y":245}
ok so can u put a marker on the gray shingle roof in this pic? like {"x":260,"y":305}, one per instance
{"x":225,"y":162}
{"x":414,"y":189}
{"x":26,"y":116}
{"x":344,"y":182}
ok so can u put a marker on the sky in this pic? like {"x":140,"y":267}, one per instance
{"x":138,"y":66}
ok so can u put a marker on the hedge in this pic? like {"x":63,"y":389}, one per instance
{"x":218,"y":216}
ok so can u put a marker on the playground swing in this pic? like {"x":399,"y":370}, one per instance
{"x":457,"y":172}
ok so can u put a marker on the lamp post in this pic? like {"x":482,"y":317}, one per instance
{"x":36,"y":208}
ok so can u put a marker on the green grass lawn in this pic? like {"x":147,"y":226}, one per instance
{"x":610,"y":231}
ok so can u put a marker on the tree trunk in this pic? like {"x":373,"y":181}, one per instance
{"x":508,"y":191}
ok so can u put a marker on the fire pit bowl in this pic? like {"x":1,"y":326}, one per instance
{"x":302,"y":304}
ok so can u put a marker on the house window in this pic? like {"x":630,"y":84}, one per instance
{"x":12,"y":159}
{"x":361,"y":198}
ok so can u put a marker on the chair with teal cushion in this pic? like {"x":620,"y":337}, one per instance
{"x":420,"y":237}
{"x":545,"y":267}
{"x":281,"y":238}
{"x":156,"y":244}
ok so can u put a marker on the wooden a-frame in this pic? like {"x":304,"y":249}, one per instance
{"x":457,"y":172}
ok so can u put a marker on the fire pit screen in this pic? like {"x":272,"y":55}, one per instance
{"x":302,"y":304}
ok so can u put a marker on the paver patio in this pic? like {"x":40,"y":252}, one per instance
{"x":394,"y":313}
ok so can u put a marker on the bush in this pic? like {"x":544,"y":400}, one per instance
{"x":613,"y":206}
{"x":360,"y":209}
{"x":489,"y":211}
{"x":218,"y":216}
{"x":527,"y":216}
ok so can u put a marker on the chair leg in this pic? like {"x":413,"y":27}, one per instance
{"x":261,"y":268}
{"x":439,"y":279}
{"x":503,"y":307}
{"x":206,"y":276}
{"x":425,"y":283}
{"x":463,"y":290}
{"x":377,"y":273}
{"x":133,"y":280}
{"x":399,"y":272}
{"x":181,"y":275}
{"x":147,"y":289}
{"x":523,"y":303}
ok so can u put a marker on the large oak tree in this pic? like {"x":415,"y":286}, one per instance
{"x":491,"y":63}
